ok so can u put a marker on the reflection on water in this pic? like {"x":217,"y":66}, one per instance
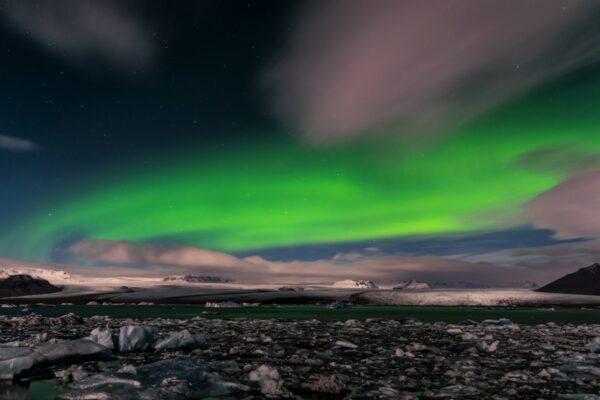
{"x":450,"y":314}
{"x":13,"y":391}
{"x":36,"y":390}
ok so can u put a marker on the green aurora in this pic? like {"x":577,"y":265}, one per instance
{"x":277,"y":190}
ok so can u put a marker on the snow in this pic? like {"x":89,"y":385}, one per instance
{"x":474,"y":297}
{"x":126,"y":287}
{"x":354,"y":284}
{"x":52,"y":276}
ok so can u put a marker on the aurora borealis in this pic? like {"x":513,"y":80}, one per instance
{"x":242,"y":184}
{"x":282,"y":192}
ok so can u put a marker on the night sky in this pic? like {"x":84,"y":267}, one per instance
{"x":464,"y":135}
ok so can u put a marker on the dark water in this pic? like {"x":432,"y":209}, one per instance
{"x":35,"y":390}
{"x":521,"y":315}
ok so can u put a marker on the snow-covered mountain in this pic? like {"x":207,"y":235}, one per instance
{"x":411,"y":285}
{"x":23,"y":285}
{"x":484,"y":285}
{"x":51,"y":275}
{"x":355,"y":284}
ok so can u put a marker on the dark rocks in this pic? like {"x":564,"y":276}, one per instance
{"x":327,"y":384}
{"x":25,"y":285}
{"x":378,"y":359}
{"x":37,"y":320}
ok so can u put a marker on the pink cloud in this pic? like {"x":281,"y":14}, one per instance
{"x":572,"y":208}
{"x":383,"y":269}
{"x":125,"y":252}
{"x":421,"y":66}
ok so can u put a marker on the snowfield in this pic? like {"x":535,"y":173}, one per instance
{"x":52,"y":276}
{"x":476,"y":297}
{"x":133,"y":286}
{"x":186,"y":294}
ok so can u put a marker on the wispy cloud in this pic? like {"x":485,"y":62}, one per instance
{"x":560,"y":159}
{"x":422,"y":66}
{"x":17,"y":144}
{"x":125,"y":252}
{"x":572,"y":208}
{"x":85,"y":31}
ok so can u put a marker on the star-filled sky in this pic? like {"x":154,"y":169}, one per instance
{"x":454,"y":140}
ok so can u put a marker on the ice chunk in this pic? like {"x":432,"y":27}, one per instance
{"x":180,"y":340}
{"x":102,"y":337}
{"x":14,"y":360}
{"x":346,"y":344}
{"x":268,"y":379}
{"x":175,"y":378}
{"x":98,"y":380}
{"x":136,"y":338}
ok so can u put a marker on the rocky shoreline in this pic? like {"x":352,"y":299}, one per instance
{"x":371,"y":359}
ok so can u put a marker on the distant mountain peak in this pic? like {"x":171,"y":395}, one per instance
{"x":411,"y":285}
{"x":594,"y":268}
{"x":51,"y":275}
{"x":23,"y":285}
{"x":585,"y":280}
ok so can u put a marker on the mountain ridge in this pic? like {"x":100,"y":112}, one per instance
{"x":585,"y":280}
